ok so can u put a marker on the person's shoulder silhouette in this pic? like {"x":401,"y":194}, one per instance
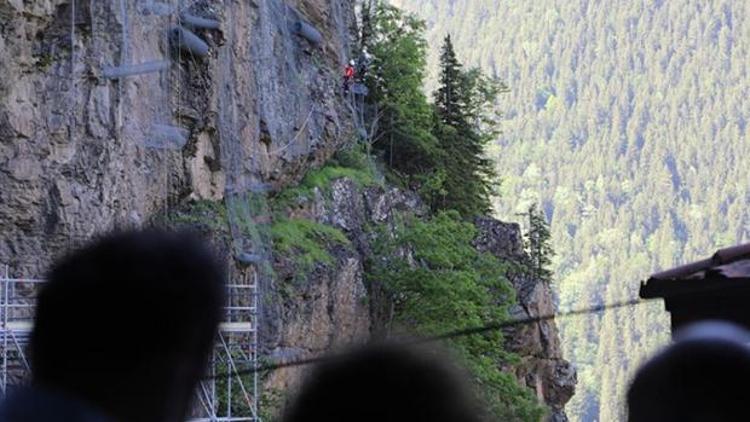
{"x":385,"y":383}
{"x":702,"y":376}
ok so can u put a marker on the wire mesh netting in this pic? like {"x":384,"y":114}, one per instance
{"x":137,"y":60}
{"x":148,"y":80}
{"x":142,"y":71}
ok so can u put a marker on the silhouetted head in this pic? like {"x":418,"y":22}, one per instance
{"x":128,"y":322}
{"x":384,"y":383}
{"x":703,"y":376}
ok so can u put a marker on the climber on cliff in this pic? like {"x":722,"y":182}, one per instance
{"x":349,"y":76}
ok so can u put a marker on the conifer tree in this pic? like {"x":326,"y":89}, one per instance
{"x":462,"y":136}
{"x":449,"y":96}
{"x":537,"y":242}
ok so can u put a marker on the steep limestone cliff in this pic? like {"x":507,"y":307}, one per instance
{"x":73,"y":143}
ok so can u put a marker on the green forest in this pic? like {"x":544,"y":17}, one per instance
{"x":627,"y":123}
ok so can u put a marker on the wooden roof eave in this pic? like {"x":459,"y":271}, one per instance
{"x":670,"y":288}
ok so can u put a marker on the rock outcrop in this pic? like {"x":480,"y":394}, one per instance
{"x":542,"y":367}
{"x":332,"y":307}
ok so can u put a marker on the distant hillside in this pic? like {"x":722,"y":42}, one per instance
{"x":628,"y":122}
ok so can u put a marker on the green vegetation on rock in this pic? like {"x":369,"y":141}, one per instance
{"x":351,"y":163}
{"x":307,"y":240}
{"x":450,"y":286}
{"x":209,"y":214}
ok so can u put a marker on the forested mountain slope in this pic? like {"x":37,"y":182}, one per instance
{"x":628,"y":122}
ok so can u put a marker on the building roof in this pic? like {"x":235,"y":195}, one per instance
{"x":726,"y":269}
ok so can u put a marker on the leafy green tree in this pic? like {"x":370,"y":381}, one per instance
{"x":454,"y":287}
{"x":368,"y":7}
{"x":404,"y":116}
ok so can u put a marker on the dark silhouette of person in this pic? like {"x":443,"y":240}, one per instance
{"x":702,"y":376}
{"x":385,"y":383}
{"x":123,"y":331}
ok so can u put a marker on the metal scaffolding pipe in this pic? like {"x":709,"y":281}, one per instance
{"x":158,"y":9}
{"x":117,"y":72}
{"x":167,"y":137}
{"x":249,"y":258}
{"x":186,"y":40}
{"x":307,"y":31}
{"x":198,"y":22}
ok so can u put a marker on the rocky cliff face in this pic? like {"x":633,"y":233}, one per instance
{"x":82,"y":152}
{"x":542,"y":367}
{"x":333,"y":307}
{"x":77,"y":152}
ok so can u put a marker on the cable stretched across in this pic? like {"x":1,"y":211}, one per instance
{"x":445,"y":336}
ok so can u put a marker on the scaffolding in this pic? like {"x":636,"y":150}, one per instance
{"x":16,"y":310}
{"x":223,"y":396}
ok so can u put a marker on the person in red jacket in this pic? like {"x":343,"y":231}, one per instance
{"x":348,"y":76}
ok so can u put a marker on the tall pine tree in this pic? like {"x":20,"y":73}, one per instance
{"x":468,"y":176}
{"x":450,"y":96}
{"x":538,"y":244}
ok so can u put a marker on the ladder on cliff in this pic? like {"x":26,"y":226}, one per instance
{"x":356,"y":103}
